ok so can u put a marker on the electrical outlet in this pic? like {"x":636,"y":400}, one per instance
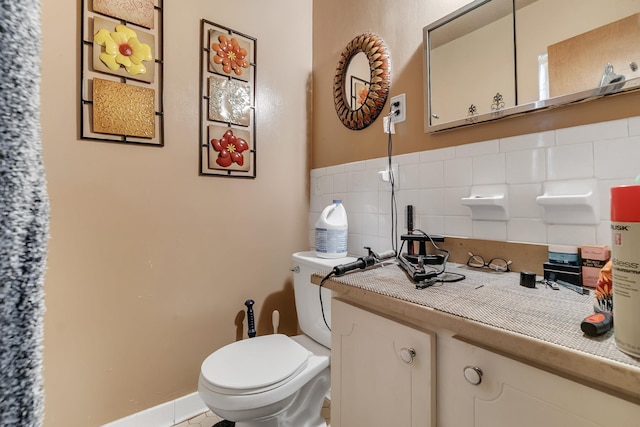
{"x":399,"y":104}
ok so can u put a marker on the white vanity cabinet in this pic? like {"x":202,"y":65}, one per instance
{"x":382,"y":371}
{"x":480,"y":388}
{"x":387,"y":373}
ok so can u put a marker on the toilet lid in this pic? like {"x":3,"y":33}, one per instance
{"x":255,"y":363}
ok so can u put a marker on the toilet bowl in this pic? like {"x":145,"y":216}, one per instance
{"x":276,"y":380}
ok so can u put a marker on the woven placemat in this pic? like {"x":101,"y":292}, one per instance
{"x":497,"y":299}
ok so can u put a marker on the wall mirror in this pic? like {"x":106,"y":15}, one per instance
{"x":496,"y":58}
{"x":362,"y":81}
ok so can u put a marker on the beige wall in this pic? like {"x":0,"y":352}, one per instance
{"x":400,"y":25}
{"x":150,"y":264}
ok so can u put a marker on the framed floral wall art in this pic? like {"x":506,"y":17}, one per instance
{"x":121,"y":93}
{"x":227,"y":102}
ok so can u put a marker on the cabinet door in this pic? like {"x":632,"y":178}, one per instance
{"x":512,"y":393}
{"x":382,"y":371}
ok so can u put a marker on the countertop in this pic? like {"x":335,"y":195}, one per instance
{"x":539,"y":326}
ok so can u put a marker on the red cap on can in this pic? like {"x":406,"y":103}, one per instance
{"x":625,"y":203}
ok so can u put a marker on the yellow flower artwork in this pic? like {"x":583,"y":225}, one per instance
{"x":123,"y":48}
{"x":122,"y":51}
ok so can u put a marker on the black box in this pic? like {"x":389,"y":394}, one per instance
{"x":568,"y":273}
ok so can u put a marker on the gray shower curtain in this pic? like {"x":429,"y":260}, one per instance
{"x":24,"y":216}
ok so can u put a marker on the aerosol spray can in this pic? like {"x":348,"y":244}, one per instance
{"x":625,"y":256}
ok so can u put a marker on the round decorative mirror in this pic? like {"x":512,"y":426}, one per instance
{"x":359,"y":98}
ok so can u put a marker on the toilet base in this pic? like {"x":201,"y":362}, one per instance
{"x":304,"y":410}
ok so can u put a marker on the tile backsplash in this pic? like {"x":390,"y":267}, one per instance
{"x":598,"y":156}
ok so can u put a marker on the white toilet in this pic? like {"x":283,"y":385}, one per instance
{"x":275,"y":380}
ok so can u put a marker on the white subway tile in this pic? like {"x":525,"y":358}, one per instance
{"x":370,"y":240}
{"x":490,"y":230}
{"x":332,"y":170}
{"x":432,"y":175}
{"x":617,"y":158}
{"x":604,"y":191}
{"x":315,"y":204}
{"x":407,"y":197}
{"x":634,"y":126}
{"x":603,"y":234}
{"x":592,"y":132}
{"x":570,"y":162}
{"x":528,"y":142}
{"x":340,"y":183}
{"x":478,"y":148}
{"x":409,"y":176}
{"x":431,"y":201}
{"x":522,"y":201}
{"x":576,"y":235}
{"x":384,"y":202}
{"x":354,"y":202}
{"x":439,"y":154}
{"x":370,"y":202}
{"x":354,"y":222}
{"x":380,"y":163}
{"x":406,"y":159}
{"x":384,"y":226}
{"x":527,"y":230}
{"x":435,"y":181}
{"x":430,"y":224}
{"x":354,"y":181}
{"x":318,"y":172}
{"x":488,"y":169}
{"x":457,"y":172}
{"x":327,"y":199}
{"x":314,"y":182}
{"x":354,"y":244}
{"x":370,"y":179}
{"x":326,"y":184}
{"x":370,"y":224}
{"x":526,"y":166}
{"x":458,"y":226}
{"x":355,"y":166}
{"x":453,"y":201}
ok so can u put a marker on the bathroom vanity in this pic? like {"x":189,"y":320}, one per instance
{"x":480,"y":352}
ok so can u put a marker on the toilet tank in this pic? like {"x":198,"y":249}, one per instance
{"x":308,"y":295}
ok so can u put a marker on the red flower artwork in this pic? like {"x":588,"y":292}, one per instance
{"x":230,"y":55}
{"x":229,"y":149}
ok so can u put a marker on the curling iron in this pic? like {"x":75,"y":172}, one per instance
{"x":363,"y":262}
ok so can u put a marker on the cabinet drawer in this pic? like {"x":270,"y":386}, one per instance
{"x":511,"y":393}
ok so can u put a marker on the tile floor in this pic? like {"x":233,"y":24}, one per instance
{"x":208,"y":419}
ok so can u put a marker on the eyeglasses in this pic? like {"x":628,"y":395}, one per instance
{"x":496,"y":264}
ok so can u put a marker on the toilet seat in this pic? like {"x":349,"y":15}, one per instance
{"x":254,"y":365}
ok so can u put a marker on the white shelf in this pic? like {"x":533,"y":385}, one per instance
{"x":570,"y":202}
{"x":488,"y":203}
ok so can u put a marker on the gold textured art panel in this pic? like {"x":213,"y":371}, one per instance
{"x":123,"y":109}
{"x":139,"y":12}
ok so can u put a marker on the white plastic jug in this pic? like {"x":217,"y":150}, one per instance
{"x":332,"y":230}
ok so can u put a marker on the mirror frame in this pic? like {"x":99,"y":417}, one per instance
{"x":630,"y":85}
{"x":379,"y":81}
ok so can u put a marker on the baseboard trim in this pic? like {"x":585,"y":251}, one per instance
{"x":164,"y":415}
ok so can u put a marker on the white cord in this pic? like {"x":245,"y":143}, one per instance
{"x":394,"y":206}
